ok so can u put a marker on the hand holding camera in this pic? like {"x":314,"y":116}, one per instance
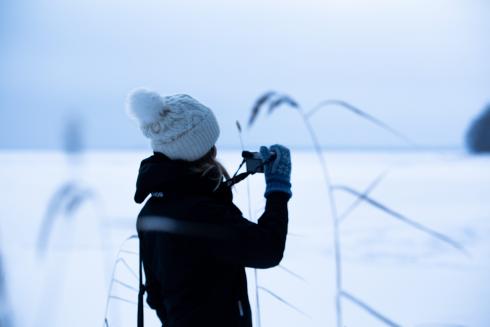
{"x":274,"y":162}
{"x":277,"y":168}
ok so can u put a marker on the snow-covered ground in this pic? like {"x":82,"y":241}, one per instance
{"x":404,"y":274}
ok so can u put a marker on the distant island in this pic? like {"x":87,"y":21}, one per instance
{"x":478,"y":133}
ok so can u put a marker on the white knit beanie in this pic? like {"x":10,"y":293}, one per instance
{"x":178,"y":126}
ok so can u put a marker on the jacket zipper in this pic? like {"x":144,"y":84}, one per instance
{"x":240,"y":308}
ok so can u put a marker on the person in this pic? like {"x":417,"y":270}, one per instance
{"x":195,"y":277}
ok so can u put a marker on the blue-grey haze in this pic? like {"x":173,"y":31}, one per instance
{"x":421,"y":66}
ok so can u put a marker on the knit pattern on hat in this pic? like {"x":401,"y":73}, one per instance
{"x":178,"y":126}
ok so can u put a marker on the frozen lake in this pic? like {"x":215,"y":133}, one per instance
{"x":404,"y":274}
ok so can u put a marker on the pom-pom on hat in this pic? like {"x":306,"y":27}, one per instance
{"x":178,"y":126}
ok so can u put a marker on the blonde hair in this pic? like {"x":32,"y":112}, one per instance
{"x":208,"y":165}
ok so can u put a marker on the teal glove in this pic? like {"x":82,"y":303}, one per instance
{"x":277,"y":171}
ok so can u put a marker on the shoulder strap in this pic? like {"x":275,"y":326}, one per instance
{"x":142,"y":290}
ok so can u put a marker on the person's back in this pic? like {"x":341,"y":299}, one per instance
{"x":195,"y":242}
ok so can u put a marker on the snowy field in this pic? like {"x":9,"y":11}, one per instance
{"x":58,"y":263}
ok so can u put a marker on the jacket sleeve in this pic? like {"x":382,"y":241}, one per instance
{"x":257,"y":245}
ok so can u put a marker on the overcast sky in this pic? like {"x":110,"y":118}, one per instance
{"x":421,"y":66}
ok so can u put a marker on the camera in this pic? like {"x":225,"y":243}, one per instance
{"x":254,"y":162}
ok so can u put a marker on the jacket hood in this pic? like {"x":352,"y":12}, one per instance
{"x":159,"y":173}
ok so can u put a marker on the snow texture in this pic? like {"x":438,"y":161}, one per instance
{"x":407,"y":276}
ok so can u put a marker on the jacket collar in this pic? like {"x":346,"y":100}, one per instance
{"x":162,"y":175}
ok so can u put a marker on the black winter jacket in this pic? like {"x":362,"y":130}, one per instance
{"x":193,"y":277}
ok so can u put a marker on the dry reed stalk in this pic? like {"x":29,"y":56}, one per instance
{"x":280,"y":299}
{"x":275,"y":100}
{"x":394,"y":214}
{"x":114,"y":280}
{"x":256,"y":109}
